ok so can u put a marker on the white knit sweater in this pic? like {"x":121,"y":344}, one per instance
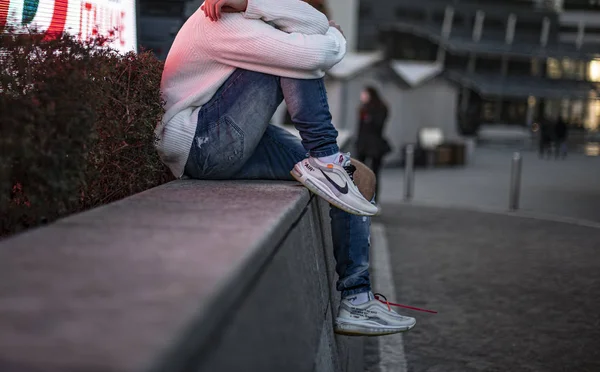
{"x":296,"y":42}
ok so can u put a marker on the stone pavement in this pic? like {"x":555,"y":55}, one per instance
{"x":569,"y":188}
{"x":513,"y":293}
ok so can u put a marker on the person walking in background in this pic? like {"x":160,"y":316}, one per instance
{"x":561,"y":133}
{"x":370,"y":143}
{"x":545,"y":137}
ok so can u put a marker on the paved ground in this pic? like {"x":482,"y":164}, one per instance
{"x":569,"y":188}
{"x":513,"y":294}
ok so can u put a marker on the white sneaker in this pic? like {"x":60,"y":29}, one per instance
{"x":335,"y":184}
{"x":372,"y":318}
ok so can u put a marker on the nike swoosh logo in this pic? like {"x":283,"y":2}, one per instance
{"x":343,"y":190}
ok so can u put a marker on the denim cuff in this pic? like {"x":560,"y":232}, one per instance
{"x":325,"y":151}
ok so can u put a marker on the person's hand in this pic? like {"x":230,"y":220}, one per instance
{"x":339,"y":28}
{"x":213,"y":9}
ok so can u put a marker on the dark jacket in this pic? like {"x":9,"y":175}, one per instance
{"x":546,"y":131}
{"x":370,"y":141}
{"x":561,"y":131}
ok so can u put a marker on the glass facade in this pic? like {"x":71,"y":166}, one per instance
{"x":594,"y":71}
{"x":593,"y":123}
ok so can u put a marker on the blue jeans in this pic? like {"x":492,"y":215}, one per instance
{"x":234,"y":140}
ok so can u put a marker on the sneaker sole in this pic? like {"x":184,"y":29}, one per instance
{"x":357,"y":330}
{"x":311,"y":184}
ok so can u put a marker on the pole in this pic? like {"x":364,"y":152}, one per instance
{"x":409,"y":167}
{"x":515,"y":181}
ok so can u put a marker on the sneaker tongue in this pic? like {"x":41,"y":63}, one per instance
{"x":344,"y":160}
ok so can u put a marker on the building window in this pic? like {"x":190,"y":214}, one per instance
{"x":575,"y":117}
{"x":572,"y":69}
{"x":593,"y":123}
{"x":568,"y":67}
{"x":565,"y":109}
{"x":582,"y":70}
{"x":552,"y":109}
{"x":553,"y":68}
{"x":489,"y":111}
{"x":594,"y":71}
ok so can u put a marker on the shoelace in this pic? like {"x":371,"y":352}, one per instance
{"x":377,"y":295}
{"x":350,"y":169}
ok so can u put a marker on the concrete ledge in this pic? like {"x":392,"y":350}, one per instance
{"x":192,"y":275}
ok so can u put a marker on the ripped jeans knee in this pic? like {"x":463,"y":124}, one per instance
{"x":217,"y":150}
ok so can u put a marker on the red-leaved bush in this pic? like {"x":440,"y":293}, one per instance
{"x":76,"y":127}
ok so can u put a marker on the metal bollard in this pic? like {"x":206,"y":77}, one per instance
{"x":515,"y":181}
{"x":409,"y":166}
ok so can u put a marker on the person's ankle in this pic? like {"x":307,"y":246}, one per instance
{"x":337,"y":158}
{"x":359,"y":298}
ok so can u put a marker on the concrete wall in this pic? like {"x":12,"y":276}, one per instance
{"x":433,"y":104}
{"x":189,"y":276}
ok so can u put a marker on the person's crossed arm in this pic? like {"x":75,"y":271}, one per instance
{"x":289,"y":15}
{"x":302,"y":40}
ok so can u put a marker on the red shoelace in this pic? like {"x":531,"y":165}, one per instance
{"x":377,"y":295}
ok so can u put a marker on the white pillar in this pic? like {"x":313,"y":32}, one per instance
{"x":446,"y":30}
{"x":448,"y":20}
{"x":510,"y":28}
{"x":478,"y":26}
{"x":545,"y":32}
{"x":345,"y":13}
{"x":580,"y":34}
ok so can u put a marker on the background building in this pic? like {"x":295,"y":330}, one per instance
{"x":581,"y":19}
{"x":511,"y":59}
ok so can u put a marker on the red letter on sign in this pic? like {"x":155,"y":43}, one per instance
{"x":4,"y":4}
{"x":59,"y":18}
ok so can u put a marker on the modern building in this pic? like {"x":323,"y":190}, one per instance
{"x":580,"y":19}
{"x":515,"y":62}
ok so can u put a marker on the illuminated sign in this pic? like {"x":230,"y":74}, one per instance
{"x":85,"y":18}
